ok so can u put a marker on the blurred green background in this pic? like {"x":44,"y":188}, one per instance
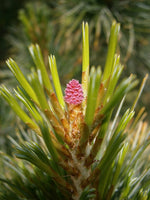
{"x":56,"y":27}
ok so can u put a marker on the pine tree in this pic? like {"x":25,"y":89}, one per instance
{"x":74,"y":151}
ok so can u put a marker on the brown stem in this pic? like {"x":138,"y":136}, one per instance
{"x":90,"y":159}
{"x":94,"y":133}
{"x":58,"y":127}
{"x":84,"y":130}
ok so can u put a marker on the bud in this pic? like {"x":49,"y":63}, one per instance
{"x":74,"y":92}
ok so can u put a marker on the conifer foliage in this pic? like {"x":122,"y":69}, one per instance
{"x":76,"y":149}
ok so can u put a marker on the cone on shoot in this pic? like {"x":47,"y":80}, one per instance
{"x":79,"y":150}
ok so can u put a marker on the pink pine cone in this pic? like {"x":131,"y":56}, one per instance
{"x":74,"y":92}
